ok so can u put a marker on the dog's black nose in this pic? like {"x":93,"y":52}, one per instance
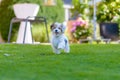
{"x":56,"y":30}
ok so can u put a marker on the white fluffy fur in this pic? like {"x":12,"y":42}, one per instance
{"x":59,"y":41}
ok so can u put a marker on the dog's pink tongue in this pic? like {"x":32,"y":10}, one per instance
{"x":56,"y":32}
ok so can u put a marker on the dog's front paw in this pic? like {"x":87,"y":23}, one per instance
{"x":57,"y":51}
{"x":67,"y":49}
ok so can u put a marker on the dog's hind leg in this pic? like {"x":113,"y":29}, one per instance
{"x":67,"y":48}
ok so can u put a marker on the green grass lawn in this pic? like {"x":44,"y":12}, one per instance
{"x":38,"y":62}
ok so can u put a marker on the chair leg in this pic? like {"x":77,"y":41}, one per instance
{"x":47,"y":30}
{"x":25,"y":31}
{"x":31,"y":32}
{"x":10,"y":32}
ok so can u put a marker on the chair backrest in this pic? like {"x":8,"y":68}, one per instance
{"x":109,"y":31}
{"x":26,"y":9}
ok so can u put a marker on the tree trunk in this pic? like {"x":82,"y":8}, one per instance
{"x":1,"y":40}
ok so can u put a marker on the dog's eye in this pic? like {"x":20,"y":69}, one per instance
{"x":53,"y":27}
{"x":59,"y":28}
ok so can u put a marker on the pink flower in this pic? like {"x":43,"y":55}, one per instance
{"x":78,"y":23}
{"x":74,"y":24}
{"x":73,"y":29}
{"x":80,"y":29}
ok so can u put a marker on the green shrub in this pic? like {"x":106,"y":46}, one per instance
{"x":55,"y":13}
{"x":109,"y":11}
{"x":6,"y":14}
{"x":79,"y":8}
{"x":39,"y":33}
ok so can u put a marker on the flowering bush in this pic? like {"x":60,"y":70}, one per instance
{"x":80,"y":29}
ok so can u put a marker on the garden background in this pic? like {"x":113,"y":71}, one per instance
{"x":109,"y":12}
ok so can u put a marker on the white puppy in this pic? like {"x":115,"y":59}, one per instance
{"x":59,"y":41}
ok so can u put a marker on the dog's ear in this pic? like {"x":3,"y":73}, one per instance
{"x":52,"y":26}
{"x":63,"y":27}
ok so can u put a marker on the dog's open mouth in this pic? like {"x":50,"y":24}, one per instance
{"x":56,"y":33}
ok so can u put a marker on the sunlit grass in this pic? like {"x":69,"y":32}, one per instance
{"x":38,"y":62}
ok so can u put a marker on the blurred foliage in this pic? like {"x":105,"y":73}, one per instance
{"x":52,"y":13}
{"x":6,"y":14}
{"x":108,"y":11}
{"x":39,"y":33}
{"x":80,"y":8}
